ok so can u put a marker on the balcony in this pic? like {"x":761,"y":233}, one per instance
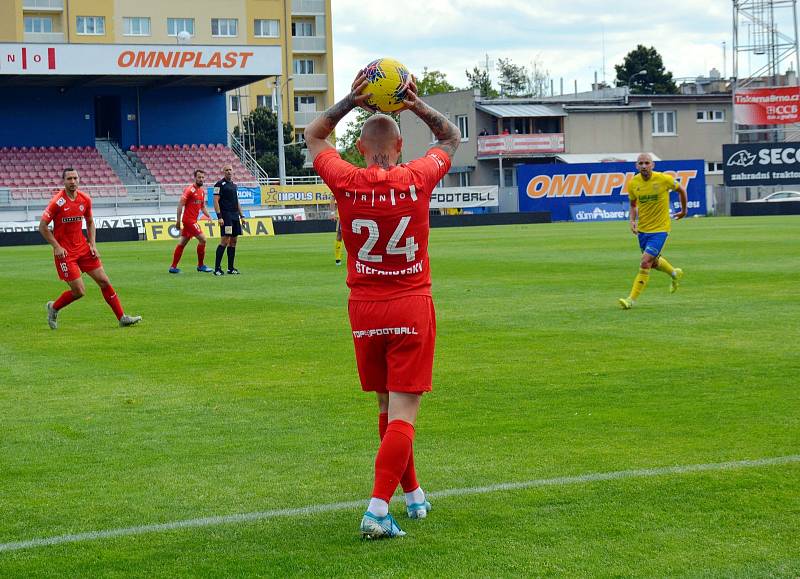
{"x":304,"y":118}
{"x":45,"y":37}
{"x":492,"y":146}
{"x":43,"y":5}
{"x":308,"y":44}
{"x":313,"y":82}
{"x":308,"y":7}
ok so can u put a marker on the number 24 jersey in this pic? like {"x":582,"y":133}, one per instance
{"x":385,"y":224}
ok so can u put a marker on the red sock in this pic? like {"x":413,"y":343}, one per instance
{"x":392,"y":458}
{"x":201,"y":254}
{"x":65,"y":299}
{"x":409,"y":479}
{"x":112,"y":300}
{"x":176,"y":256}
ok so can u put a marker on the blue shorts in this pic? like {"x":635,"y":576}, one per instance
{"x":652,"y":243}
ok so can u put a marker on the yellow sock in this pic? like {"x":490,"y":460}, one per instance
{"x":337,"y":250}
{"x":663,"y":265}
{"x":640,"y":283}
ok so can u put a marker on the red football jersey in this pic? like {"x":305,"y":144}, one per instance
{"x":67,"y":217}
{"x":194,"y":197}
{"x":385,"y":225}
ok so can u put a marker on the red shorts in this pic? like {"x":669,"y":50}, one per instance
{"x":70,"y":268}
{"x":191,"y":230}
{"x":394,"y":342}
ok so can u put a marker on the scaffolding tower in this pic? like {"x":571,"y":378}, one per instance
{"x":765,"y":55}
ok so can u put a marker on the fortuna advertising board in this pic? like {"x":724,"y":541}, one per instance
{"x":139,"y":59}
{"x":767,"y":106}
{"x":555,"y":188}
{"x":761,"y":164}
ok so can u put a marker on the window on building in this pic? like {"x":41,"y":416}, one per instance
{"x":305,"y":103}
{"x":664,"y":123}
{"x":714,"y":168}
{"x":714,"y":116}
{"x":303,"y":28}
{"x":264,"y":101}
{"x":225,"y":27}
{"x":178,"y":25}
{"x":38,"y":24}
{"x":463,"y":179}
{"x":136,"y":26}
{"x":234,"y":100}
{"x":463,"y":125}
{"x":90,"y":25}
{"x":266,"y":29}
{"x":303,"y":66}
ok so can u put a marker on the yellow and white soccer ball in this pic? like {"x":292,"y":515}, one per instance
{"x":388,"y":82}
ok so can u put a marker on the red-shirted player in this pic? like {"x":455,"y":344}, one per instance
{"x":73,"y":254}
{"x":384,"y":216}
{"x":192,"y":202}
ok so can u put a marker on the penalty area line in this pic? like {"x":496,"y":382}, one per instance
{"x":325,"y":508}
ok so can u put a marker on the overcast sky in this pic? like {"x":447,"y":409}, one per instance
{"x":568,"y":38}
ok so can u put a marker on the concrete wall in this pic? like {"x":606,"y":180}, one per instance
{"x":611,"y":132}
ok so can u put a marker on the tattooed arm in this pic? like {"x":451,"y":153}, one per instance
{"x":446,"y":133}
{"x":317,"y":133}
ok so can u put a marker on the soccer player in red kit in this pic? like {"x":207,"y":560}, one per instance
{"x":192,"y":202}
{"x":72,"y":252}
{"x":384,"y":216}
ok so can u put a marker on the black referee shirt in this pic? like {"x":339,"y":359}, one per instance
{"x":228,"y":197}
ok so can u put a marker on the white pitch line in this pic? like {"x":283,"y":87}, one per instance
{"x":314,"y":509}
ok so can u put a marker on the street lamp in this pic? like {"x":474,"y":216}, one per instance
{"x":628,"y":84}
{"x":281,"y":153}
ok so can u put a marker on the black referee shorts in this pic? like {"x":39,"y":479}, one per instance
{"x":231,"y":227}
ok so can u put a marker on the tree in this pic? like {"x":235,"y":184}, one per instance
{"x":479,"y":79}
{"x":655,"y":80}
{"x":538,"y":80}
{"x":513,"y":78}
{"x":264,"y":124}
{"x":433,"y":82}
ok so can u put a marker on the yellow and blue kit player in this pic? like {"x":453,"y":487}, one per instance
{"x":648,"y":193}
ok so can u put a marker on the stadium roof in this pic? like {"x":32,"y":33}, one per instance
{"x":601,"y":157}
{"x":519,"y":110}
{"x":68,"y":66}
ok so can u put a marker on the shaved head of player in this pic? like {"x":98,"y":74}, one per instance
{"x":383,"y":211}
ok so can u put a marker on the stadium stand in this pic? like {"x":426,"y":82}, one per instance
{"x":172,"y":166}
{"x":35,"y":172}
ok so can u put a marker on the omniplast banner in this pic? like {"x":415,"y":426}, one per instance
{"x":767,"y":106}
{"x":139,"y":59}
{"x":555,"y":188}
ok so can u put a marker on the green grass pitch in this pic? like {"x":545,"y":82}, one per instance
{"x":239,"y":395}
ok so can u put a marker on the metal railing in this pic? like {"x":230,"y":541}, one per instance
{"x":247,"y":159}
{"x":308,"y":44}
{"x":308,"y":6}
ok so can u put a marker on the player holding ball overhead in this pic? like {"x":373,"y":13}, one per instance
{"x":384,"y":215}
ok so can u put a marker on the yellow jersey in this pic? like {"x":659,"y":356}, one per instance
{"x":652,"y":200}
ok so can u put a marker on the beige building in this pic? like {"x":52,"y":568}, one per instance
{"x":498,"y":134}
{"x":302,"y":28}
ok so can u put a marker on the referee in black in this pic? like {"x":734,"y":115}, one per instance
{"x":229,"y":217}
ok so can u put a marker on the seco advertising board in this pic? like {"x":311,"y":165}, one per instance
{"x":600,"y":188}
